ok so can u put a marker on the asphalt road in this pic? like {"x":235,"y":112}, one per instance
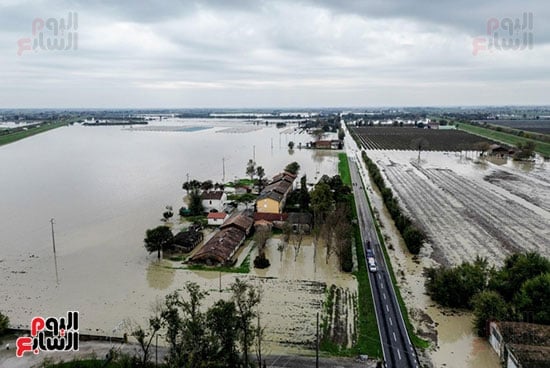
{"x":396,"y":344}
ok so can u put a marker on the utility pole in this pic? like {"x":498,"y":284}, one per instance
{"x":54,"y":254}
{"x":223,"y":168}
{"x":254,"y":153}
{"x":317,"y":344}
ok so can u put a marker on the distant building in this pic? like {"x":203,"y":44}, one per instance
{"x":521,"y":345}
{"x":216,"y":218}
{"x":328,"y":144}
{"x":433,"y":125}
{"x":213,"y":200}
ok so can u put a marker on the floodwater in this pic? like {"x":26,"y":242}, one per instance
{"x":454,"y":343}
{"x":105,"y":186}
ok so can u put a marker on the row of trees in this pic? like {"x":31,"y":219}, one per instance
{"x":519,"y":290}
{"x":221,"y":336}
{"x":330,"y":202}
{"x":412,"y":235}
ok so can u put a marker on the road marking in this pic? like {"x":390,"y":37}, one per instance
{"x":384,"y":295}
{"x":394,"y":338}
{"x":387,"y":308}
{"x":398,"y":354}
{"x":391,"y":323}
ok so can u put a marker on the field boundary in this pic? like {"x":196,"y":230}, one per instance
{"x":506,"y":138}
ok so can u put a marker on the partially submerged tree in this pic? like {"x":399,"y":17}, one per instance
{"x":156,"y":239}
{"x":260,"y":172}
{"x":293,"y":168}
{"x":290,"y":145}
{"x":168,"y":213}
{"x":4,"y":323}
{"x":195,"y":202}
{"x":251,"y":169}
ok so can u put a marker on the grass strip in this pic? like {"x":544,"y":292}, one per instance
{"x":507,"y":138}
{"x":11,"y":137}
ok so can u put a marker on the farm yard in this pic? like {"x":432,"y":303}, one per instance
{"x":405,"y":138}
{"x":469,"y":207}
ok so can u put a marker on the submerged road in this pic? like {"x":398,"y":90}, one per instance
{"x":396,"y":344}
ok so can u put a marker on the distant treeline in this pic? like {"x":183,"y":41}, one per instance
{"x":518,"y":132}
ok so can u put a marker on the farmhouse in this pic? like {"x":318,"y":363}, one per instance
{"x":213,"y":200}
{"x":521,"y":345}
{"x":221,"y":248}
{"x":273,"y":197}
{"x":216,"y":218}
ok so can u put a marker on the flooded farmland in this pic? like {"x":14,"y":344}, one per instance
{"x":446,"y":215}
{"x":105,"y":186}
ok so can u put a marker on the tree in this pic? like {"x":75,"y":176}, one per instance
{"x":260,"y":172}
{"x":186,"y":330}
{"x":304,"y":194}
{"x":290,"y":145}
{"x":517,"y":269}
{"x":222,"y":324}
{"x":4,"y":323}
{"x":293,"y":168}
{"x":145,"y":337}
{"x":525,"y":151}
{"x":341,"y":134}
{"x":168,"y":213}
{"x":246,"y":299}
{"x":534,"y":297}
{"x":195,"y":202}
{"x":157,"y":238}
{"x":251,"y":169}
{"x":419,"y":144}
{"x":260,"y":238}
{"x":318,"y":134}
{"x":455,"y":287}
{"x":488,"y":305}
{"x":207,"y":185}
{"x":321,"y":201}
{"x":414,"y":238}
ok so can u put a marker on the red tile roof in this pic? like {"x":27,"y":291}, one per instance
{"x":216,"y":215}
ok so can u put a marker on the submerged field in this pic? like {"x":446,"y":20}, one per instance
{"x":469,"y":207}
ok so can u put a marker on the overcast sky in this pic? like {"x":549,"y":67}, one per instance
{"x":288,"y":53}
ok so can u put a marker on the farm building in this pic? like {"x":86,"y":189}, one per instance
{"x":300,"y":222}
{"x":328,"y":144}
{"x":273,"y":197}
{"x":213,"y":200}
{"x":186,"y":241}
{"x":221,"y":248}
{"x":276,"y":219}
{"x":216,"y":218}
{"x":521,"y":345}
